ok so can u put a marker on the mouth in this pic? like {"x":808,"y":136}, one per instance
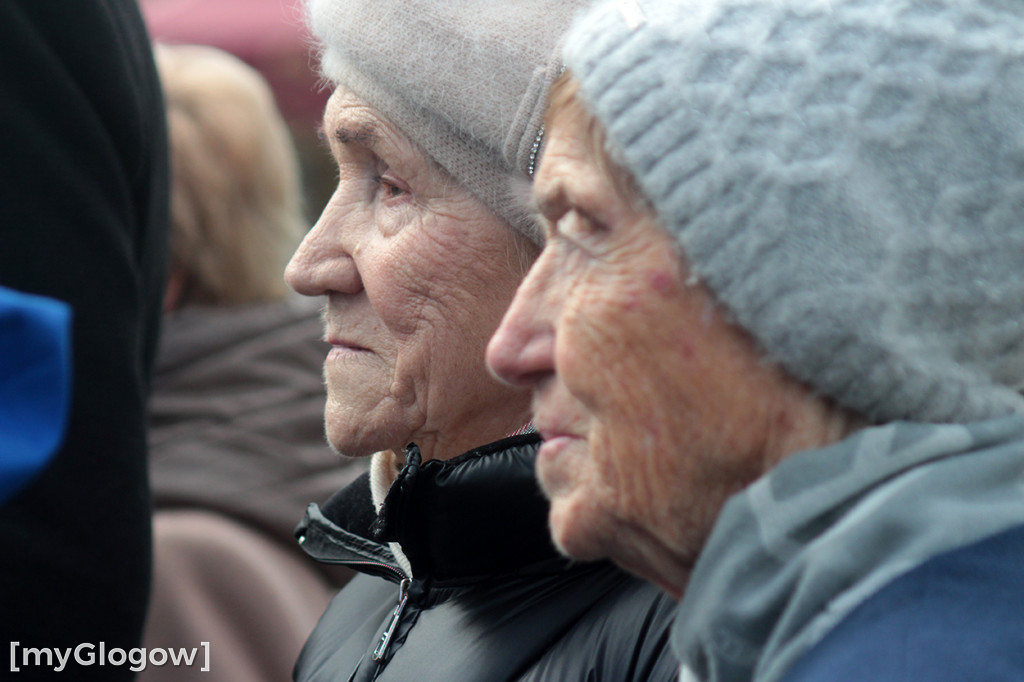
{"x":557,"y":440}
{"x":558,"y":425}
{"x":344,"y":347}
{"x":553,"y":433}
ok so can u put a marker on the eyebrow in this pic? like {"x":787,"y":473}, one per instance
{"x":362,"y":134}
{"x":387,"y":145}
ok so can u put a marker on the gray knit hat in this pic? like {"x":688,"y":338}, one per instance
{"x":846,"y":176}
{"x":466,"y":80}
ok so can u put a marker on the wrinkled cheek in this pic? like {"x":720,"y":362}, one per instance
{"x":403,"y":305}
{"x":621,"y":457}
{"x":411,"y":375}
{"x":639,"y":437}
{"x":586,"y":351}
{"x":635,"y":291}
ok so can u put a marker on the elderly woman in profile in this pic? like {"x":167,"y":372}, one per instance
{"x":437,"y":110}
{"x":775,"y":336}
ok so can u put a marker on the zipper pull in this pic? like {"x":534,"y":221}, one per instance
{"x":389,"y":631}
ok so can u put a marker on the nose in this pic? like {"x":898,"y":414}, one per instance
{"x":324,"y":261}
{"x":521,"y":352}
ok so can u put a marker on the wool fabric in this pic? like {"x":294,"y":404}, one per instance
{"x":465,"y":80}
{"x":846,"y":176}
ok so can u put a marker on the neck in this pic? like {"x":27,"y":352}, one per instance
{"x":811,"y":423}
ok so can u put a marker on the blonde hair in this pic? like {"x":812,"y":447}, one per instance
{"x":236,"y":201}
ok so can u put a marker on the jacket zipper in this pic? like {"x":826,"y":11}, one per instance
{"x":389,"y":631}
{"x":395,"y":574}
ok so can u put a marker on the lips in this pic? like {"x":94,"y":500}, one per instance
{"x":342,"y":348}
{"x":551,"y":431}
{"x":341,"y":342}
{"x":559,"y":424}
{"x":557,"y":443}
{"x":337,"y":329}
{"x":346,"y":345}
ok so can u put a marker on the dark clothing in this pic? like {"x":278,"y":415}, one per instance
{"x":955,"y":618}
{"x":490,"y":598}
{"x":83,"y":219}
{"x":237,"y":417}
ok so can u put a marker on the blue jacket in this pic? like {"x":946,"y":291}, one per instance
{"x":959,"y":616}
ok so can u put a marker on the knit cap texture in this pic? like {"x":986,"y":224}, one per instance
{"x":847,"y":177}
{"x":465,"y":80}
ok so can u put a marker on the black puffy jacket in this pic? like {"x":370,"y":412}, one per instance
{"x":490,"y":599}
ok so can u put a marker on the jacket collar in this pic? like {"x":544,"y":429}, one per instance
{"x":478,"y":515}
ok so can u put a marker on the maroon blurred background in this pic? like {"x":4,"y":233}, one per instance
{"x":270,"y":36}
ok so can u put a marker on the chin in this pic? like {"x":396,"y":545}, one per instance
{"x":353,"y":445}
{"x":574,"y":532}
{"x":357,"y":426}
{"x":348,"y":453}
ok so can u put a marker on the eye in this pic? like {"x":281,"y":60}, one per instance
{"x":579,"y":227}
{"x":390,"y":188}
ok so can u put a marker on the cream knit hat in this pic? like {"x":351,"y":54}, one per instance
{"x":847,"y":176}
{"x":466,"y":80}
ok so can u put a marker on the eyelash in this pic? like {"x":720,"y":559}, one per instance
{"x":389,"y":186}
{"x":584,"y":228}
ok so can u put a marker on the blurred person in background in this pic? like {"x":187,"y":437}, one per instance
{"x":775,"y":336}
{"x":435,"y":126}
{"x":236,"y":420}
{"x":83,"y":220}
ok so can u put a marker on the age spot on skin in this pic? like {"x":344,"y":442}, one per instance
{"x":661,"y":282}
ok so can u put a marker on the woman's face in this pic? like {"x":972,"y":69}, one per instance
{"x":417,"y":273}
{"x":653,"y":409}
